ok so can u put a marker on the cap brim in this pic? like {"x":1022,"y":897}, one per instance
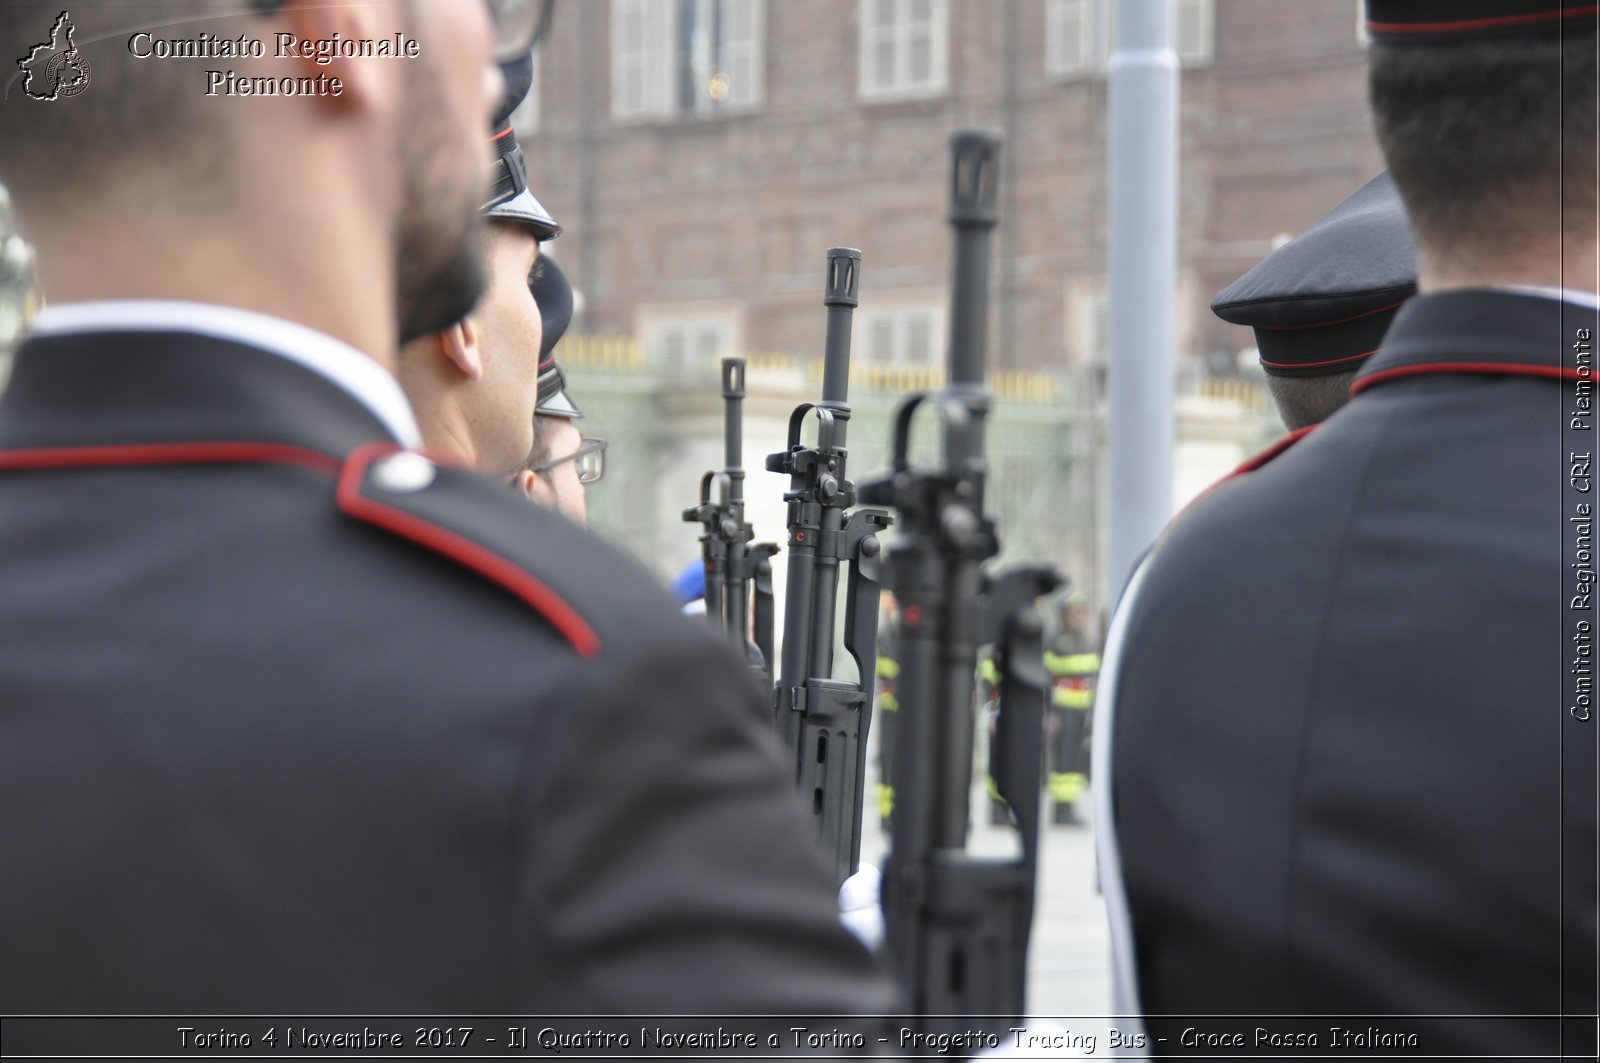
{"x":558,"y":405}
{"x":525,"y":209}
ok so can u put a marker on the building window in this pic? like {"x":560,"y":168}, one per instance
{"x":903,"y":48}
{"x":1192,"y":31}
{"x":1097,"y":328}
{"x":1072,"y":43}
{"x":1078,"y":35}
{"x":686,"y":57}
{"x":909,"y":337}
{"x":689,"y":346}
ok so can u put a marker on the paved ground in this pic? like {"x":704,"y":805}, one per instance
{"x":1068,"y":961}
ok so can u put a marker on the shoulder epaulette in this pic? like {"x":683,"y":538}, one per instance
{"x":503,"y":538}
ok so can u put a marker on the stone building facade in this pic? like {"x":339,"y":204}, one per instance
{"x":704,"y":154}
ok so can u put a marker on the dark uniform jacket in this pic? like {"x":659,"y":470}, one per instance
{"x":1349,"y":776}
{"x":276,"y":738}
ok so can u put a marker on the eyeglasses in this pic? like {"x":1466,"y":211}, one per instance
{"x":591,"y":459}
{"x":518,"y":24}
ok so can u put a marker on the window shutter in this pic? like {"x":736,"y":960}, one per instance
{"x":919,"y":337}
{"x":1192,"y":30}
{"x":744,"y":50}
{"x":627,"y":57}
{"x":1069,"y":29}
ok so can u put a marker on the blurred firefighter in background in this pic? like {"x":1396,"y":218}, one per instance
{"x":888,"y":704}
{"x":1072,"y":658}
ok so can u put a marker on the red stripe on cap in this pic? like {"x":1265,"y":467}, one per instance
{"x":506,"y":132}
{"x":1468,"y":25}
{"x":544,"y":601}
{"x":1313,"y":365}
{"x":1482,"y":368}
{"x":168,"y":454}
{"x":1327,"y":324}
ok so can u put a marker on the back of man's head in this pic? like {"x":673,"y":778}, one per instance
{"x":1488,"y":126}
{"x":136,"y":114}
{"x":269,"y":137}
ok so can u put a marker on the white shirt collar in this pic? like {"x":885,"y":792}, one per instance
{"x":1575,"y":296}
{"x":364,"y":379}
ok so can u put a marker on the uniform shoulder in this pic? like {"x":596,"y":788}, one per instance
{"x":588,"y":591}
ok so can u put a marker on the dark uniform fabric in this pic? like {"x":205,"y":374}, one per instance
{"x":276,"y":737}
{"x":1347,"y":780}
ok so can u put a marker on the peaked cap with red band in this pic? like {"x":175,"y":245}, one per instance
{"x":1321,"y":303}
{"x":1446,"y":21}
{"x":511,"y":200}
{"x":553,"y":293}
{"x":509,"y":196}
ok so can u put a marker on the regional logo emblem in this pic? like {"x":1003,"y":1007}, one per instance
{"x":55,"y":69}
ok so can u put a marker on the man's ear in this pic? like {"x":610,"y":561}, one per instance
{"x":362,"y":83}
{"x":459,"y":344}
{"x":525,"y":481}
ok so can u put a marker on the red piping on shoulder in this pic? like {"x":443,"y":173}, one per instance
{"x":1376,"y":27}
{"x":546,"y":602}
{"x":1488,"y":368}
{"x":168,"y":454}
{"x":1279,"y":445}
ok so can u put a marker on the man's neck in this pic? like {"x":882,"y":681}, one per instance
{"x":207,"y":260}
{"x":1572,"y":267}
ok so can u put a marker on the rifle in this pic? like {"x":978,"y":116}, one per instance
{"x":824,"y":720}
{"x":732,"y":565}
{"x":958,"y":924}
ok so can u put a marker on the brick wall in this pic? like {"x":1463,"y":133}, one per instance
{"x":732,"y":214}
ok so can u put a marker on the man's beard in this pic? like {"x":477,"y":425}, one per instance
{"x":440,"y":274}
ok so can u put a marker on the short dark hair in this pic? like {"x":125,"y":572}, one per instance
{"x":134,"y":111}
{"x":1308,"y":400}
{"x":541,"y":442}
{"x":1488,"y":139}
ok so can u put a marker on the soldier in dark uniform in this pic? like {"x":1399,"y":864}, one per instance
{"x":1352,"y":741}
{"x":563,"y":461}
{"x":293,"y":721}
{"x":1321,"y":303}
{"x":473,"y":384}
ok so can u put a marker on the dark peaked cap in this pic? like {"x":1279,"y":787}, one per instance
{"x":553,"y":293}
{"x":510,"y":199}
{"x":1446,"y":21}
{"x":1321,"y":303}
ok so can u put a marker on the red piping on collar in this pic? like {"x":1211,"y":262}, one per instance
{"x":1479,"y":23}
{"x":207,"y":453}
{"x":1484,"y":368}
{"x":544,"y":601}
